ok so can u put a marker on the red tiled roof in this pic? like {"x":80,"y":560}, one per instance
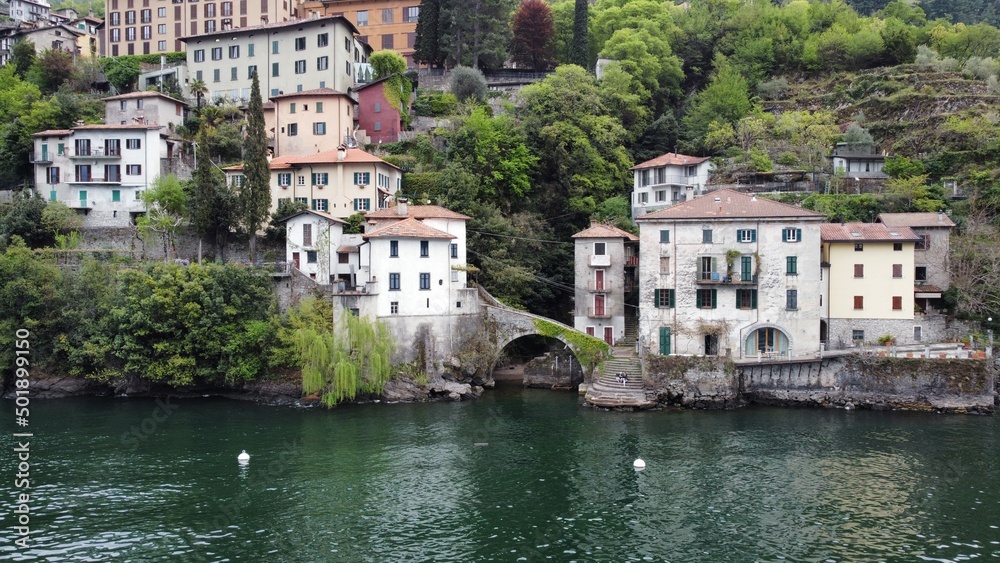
{"x":865,"y":232}
{"x":116,"y":126}
{"x":53,"y":133}
{"x":602,"y":230}
{"x":408,"y":228}
{"x":372,"y":83}
{"x":274,"y":26}
{"x":326,"y":216}
{"x":730,"y":204}
{"x":313,"y":92}
{"x":926,"y":289}
{"x":671,"y":159}
{"x":915,"y":219}
{"x":325,"y":157}
{"x":417,"y":212}
{"x":144,"y":94}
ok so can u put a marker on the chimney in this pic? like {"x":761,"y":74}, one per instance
{"x":341,"y":153}
{"x":940,"y":216}
{"x":401,"y":209}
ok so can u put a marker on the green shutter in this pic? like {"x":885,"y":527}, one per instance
{"x":671,"y":297}
{"x":52,"y":195}
{"x":665,"y":340}
{"x":715,"y":303}
{"x":798,"y":235}
{"x":784,"y":235}
{"x":656,"y":298}
{"x":746,"y":264}
{"x":753,"y":298}
{"x":116,"y":195}
{"x":753,"y":235}
{"x":355,"y":204}
{"x":664,"y":236}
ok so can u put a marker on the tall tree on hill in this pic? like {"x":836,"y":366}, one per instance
{"x":427,"y":47}
{"x":211,"y":205}
{"x":533,"y":34}
{"x":579,"y":54}
{"x":255,"y":194}
{"x":476,"y":32}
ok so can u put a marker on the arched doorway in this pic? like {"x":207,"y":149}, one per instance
{"x":765,"y":341}
{"x":538,"y":361}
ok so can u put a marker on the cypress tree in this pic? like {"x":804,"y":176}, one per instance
{"x":580,"y":51}
{"x":255,"y":194}
{"x":427,"y":47}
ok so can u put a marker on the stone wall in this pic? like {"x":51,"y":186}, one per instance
{"x":692,"y":381}
{"x":933,"y":328}
{"x":127,"y":240}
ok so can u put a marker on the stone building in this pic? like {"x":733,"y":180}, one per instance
{"x":606,"y":260}
{"x":145,"y":108}
{"x":730,"y":273}
{"x":932,"y":275}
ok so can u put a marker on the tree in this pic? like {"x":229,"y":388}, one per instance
{"x":22,"y":218}
{"x":660,"y":137}
{"x":476,"y":32}
{"x":122,"y":72}
{"x":533,"y":32}
{"x":427,"y":46}
{"x":468,"y":84}
{"x":60,"y":219}
{"x":52,"y":68}
{"x":580,"y":50}
{"x":397,"y":88}
{"x":857,"y":138}
{"x":22,"y":57}
{"x":255,"y":194}
{"x":166,"y":204}
{"x":726,"y":99}
{"x":211,"y":204}
{"x":199,"y":89}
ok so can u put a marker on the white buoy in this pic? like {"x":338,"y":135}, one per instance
{"x":639,"y":464}
{"x":244,"y":457}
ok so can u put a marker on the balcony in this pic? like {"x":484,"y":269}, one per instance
{"x":44,"y":158}
{"x":631,"y":261}
{"x":113,"y":181}
{"x":715,"y":278}
{"x":95,"y":153}
{"x":599,"y":287}
{"x":600,"y":313}
{"x":600,"y":260}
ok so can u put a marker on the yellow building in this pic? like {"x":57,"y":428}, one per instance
{"x":308,"y":122}
{"x":383,"y":24}
{"x":868,"y":284}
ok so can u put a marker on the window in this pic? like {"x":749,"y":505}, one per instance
{"x":311,"y":256}
{"x":791,"y":234}
{"x":394,"y":307}
{"x":897,"y":246}
{"x":300,"y":67}
{"x":746,"y":235}
{"x":250,"y":50}
{"x":234,"y":51}
{"x":238,"y":180}
{"x":664,"y":264}
{"x":302,"y":200}
{"x":706,"y":298}
{"x":706,"y":236}
{"x":411,"y":14}
{"x":116,"y":36}
{"x":347,"y":43}
{"x":130,"y":36}
{"x":362,"y":178}
{"x":234,"y":73}
{"x":791,"y":265}
{"x":116,"y":195}
{"x":917,"y":336}
{"x":857,"y":335}
{"x":387,"y":42}
{"x":52,"y":175}
{"x":216,"y":53}
{"x":227,"y":9}
{"x":600,"y":248}
{"x":138,"y":103}
{"x":663,"y":298}
{"x":302,"y":182}
{"x":307,"y":235}
{"x":250,"y":71}
{"x":897,"y":303}
{"x":130,"y":17}
{"x":393,"y":249}
{"x":859,"y":302}
{"x":291,"y":107}
{"x":133,"y":169}
{"x":920,"y":274}
{"x":116,"y":18}
{"x":319,"y":107}
{"x":746,"y":298}
{"x":146,"y":16}
{"x":792,"y":299}
{"x":897,"y":270}
{"x":199,"y":56}
{"x":378,"y":107}
{"x":378,"y":125}
{"x":161,"y":29}
{"x":320,"y":178}
{"x":293,"y":129}
{"x":425,"y":281}
{"x":664,"y":235}
{"x":209,"y":26}
{"x":393,"y":282}
{"x":161,"y":45}
{"x":425,"y":249}
{"x":210,"y":10}
{"x":859,"y":247}
{"x":322,"y":63}
{"x":216,"y":75}
{"x":321,"y":205}
{"x":284,"y":178}
{"x":386,"y":15}
{"x":661,"y":195}
{"x":300,"y":43}
{"x":924,"y":243}
{"x":274,"y":47}
{"x":133,"y":144}
{"x":362,"y":17}
{"x":323,"y":39}
{"x":113,"y":172}
{"x":362,"y":204}
{"x":319,"y":128}
{"x":454,"y":250}
{"x":859,"y":270}
{"x":274,"y":69}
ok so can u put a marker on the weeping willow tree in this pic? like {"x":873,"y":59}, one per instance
{"x":339,"y":359}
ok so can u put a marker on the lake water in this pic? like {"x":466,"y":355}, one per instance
{"x":520,"y":475}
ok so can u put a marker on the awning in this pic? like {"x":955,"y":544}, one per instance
{"x":347,"y":249}
{"x":927,"y":292}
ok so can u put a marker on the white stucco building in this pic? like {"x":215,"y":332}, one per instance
{"x":730,"y":272}
{"x":317,"y":246}
{"x":667,"y":180}
{"x":145,"y":107}
{"x":101,"y":170}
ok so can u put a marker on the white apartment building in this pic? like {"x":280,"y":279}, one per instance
{"x":291,"y":56}
{"x":317,"y":246}
{"x":144,"y":108}
{"x":667,"y":180}
{"x":730,"y":273}
{"x":100,"y":170}
{"x":30,"y":11}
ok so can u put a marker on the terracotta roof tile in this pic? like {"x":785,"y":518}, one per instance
{"x":417,"y":212}
{"x":408,"y":228}
{"x":865,"y":232}
{"x":53,"y":133}
{"x":325,"y":157}
{"x":730,"y":204}
{"x":915,"y":219}
{"x":273,"y":26}
{"x":143,"y":94}
{"x":670,"y":159}
{"x":926,"y":289}
{"x":313,"y":92}
{"x":326,"y":216}
{"x":602,"y":230}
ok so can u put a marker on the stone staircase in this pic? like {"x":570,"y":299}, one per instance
{"x":631,"y":333}
{"x":605,"y":390}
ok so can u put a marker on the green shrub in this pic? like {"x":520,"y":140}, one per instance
{"x":435,"y":104}
{"x":773,"y":89}
{"x":788,"y":158}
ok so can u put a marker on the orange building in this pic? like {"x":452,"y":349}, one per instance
{"x":384,"y":24}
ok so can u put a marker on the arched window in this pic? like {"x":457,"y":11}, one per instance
{"x":765,"y":341}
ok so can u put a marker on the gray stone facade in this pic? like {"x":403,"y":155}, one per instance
{"x":929,"y":328}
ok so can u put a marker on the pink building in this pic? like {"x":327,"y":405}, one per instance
{"x":376,"y":118}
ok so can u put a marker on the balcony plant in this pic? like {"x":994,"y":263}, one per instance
{"x":731,"y":257}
